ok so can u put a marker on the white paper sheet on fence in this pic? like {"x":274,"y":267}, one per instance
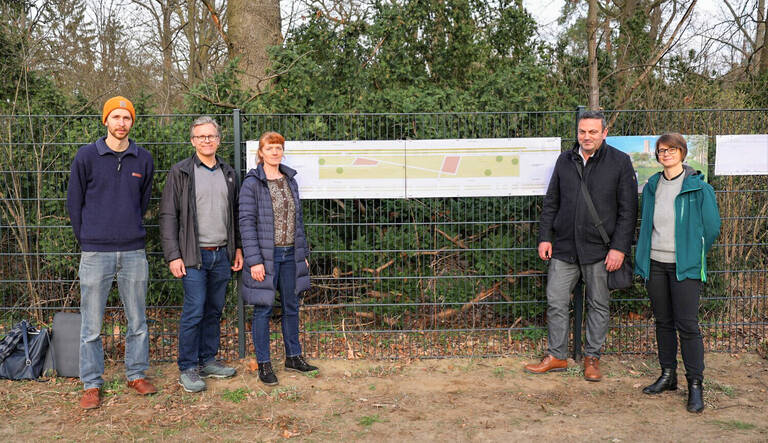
{"x":742,"y":154}
{"x":419,"y":168}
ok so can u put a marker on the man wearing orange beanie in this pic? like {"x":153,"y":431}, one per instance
{"x":108,"y":193}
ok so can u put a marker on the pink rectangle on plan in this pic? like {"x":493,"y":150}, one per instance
{"x":364,"y":162}
{"x":450,"y":164}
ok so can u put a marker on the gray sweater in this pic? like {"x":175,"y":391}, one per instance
{"x":663,"y":235}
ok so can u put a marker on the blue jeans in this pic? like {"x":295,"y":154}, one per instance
{"x":561,"y":279}
{"x":285,"y":282}
{"x":204,"y":292}
{"x":97,"y":271}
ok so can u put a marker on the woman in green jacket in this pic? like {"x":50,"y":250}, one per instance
{"x":680,"y":222}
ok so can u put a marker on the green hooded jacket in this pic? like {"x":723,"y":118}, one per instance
{"x":697,"y":225}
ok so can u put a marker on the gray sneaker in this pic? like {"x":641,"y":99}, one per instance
{"x":216,"y":370}
{"x":190,"y":380}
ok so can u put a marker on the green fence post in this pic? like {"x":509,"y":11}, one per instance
{"x":236,"y":130}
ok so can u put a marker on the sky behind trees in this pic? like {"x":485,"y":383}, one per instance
{"x":403,"y":55}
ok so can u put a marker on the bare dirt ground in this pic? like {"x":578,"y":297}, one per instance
{"x":422,"y":400}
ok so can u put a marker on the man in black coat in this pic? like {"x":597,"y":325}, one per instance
{"x":571,"y":241}
{"x":201,"y":243}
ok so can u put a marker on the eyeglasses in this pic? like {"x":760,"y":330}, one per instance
{"x":206,"y":138}
{"x":671,"y":151}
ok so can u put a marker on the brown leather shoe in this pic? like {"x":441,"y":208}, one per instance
{"x":91,"y":399}
{"x":592,"y":369}
{"x":142,"y":386}
{"x":548,"y":364}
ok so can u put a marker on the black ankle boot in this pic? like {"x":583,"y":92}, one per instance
{"x":666,"y":382}
{"x":695,"y":402}
{"x":298,"y":364}
{"x":266,"y":374}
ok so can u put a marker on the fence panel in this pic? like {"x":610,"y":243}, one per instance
{"x":426,"y":277}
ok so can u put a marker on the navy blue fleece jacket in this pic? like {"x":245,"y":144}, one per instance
{"x":108,"y":195}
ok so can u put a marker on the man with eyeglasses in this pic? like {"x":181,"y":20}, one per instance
{"x":201,"y":243}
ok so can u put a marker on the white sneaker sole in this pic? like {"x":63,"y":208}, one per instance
{"x":191,"y":390}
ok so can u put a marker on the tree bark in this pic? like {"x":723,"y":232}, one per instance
{"x":594,"y":85}
{"x":762,"y":37}
{"x":254,"y":26}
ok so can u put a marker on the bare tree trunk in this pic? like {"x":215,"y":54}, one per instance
{"x":626,"y":13}
{"x":594,"y":85}
{"x":254,"y":26}
{"x":166,"y":45}
{"x":762,"y":37}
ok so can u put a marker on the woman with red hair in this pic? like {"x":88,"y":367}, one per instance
{"x":275,"y":252}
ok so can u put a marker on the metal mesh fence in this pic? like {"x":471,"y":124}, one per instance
{"x":430,"y":277}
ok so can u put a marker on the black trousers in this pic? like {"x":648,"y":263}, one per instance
{"x":676,"y":308}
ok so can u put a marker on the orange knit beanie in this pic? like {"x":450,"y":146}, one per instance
{"x":117,"y":103}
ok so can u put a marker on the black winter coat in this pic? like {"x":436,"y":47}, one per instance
{"x":565,"y":219}
{"x":178,"y":213}
{"x":257,"y":227}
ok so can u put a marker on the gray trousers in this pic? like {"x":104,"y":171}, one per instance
{"x":561,"y":280}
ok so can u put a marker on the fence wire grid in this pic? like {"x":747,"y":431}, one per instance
{"x":392,"y":278}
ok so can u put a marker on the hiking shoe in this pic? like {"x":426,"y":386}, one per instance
{"x":142,"y":386}
{"x":266,"y":374}
{"x":216,"y":370}
{"x":91,"y":399}
{"x":298,"y":364}
{"x":190,"y":380}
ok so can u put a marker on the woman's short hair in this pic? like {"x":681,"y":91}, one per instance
{"x":672,"y":140}
{"x":269,"y":138}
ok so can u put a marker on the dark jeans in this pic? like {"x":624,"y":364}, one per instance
{"x":676,"y":308}
{"x":285,"y":282}
{"x":204,"y":292}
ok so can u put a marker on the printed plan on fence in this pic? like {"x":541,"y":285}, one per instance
{"x":420,"y":168}
{"x":742,"y":154}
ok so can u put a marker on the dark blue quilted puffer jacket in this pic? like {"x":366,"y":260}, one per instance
{"x":257,"y":229}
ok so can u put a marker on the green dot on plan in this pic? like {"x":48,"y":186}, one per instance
{"x":487,"y":172}
{"x":321,"y":161}
{"x":515,"y":161}
{"x":339,"y":170}
{"x":499,"y":158}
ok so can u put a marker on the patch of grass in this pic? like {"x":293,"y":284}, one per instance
{"x":112,"y":387}
{"x":170,"y":432}
{"x":368,"y":420}
{"x":499,"y":372}
{"x":289,"y":393}
{"x":716,"y":386}
{"x":312,"y":374}
{"x":574,"y":371}
{"x":733,"y":425}
{"x":235,"y":396}
{"x":371,"y":387}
